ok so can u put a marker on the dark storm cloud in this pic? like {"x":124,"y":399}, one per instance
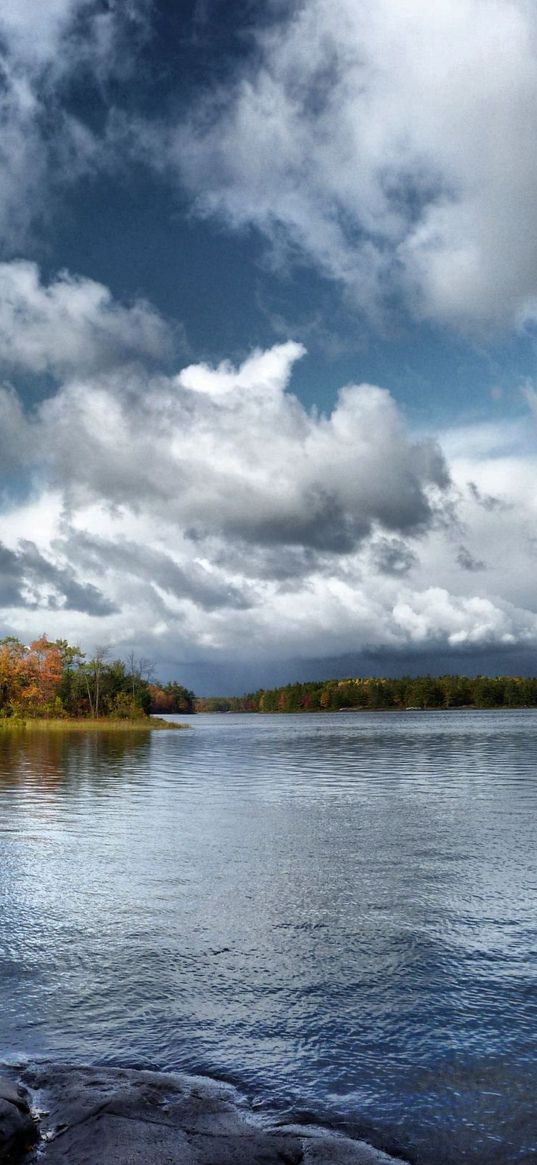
{"x":28,"y":579}
{"x":10,"y":578}
{"x":124,"y":559}
{"x":280,"y":564}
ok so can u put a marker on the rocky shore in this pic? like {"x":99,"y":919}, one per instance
{"x":56,"y":1114}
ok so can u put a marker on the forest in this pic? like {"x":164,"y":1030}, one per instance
{"x":52,"y":679}
{"x":55,"y":680}
{"x":409,"y":692}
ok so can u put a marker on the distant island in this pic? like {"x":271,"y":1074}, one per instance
{"x":52,"y":681}
{"x":374,"y":694}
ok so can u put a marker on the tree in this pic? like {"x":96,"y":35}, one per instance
{"x":171,"y":698}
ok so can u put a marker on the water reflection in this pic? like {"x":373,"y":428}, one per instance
{"x":31,"y":758}
{"x":337,"y":911}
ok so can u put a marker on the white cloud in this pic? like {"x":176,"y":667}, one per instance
{"x":209,"y":514}
{"x":232,"y":454}
{"x":43,"y":145}
{"x":72,"y":323}
{"x":32,"y":32}
{"x":393,"y":144}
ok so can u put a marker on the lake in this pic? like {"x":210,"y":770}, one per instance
{"x":337,"y":912}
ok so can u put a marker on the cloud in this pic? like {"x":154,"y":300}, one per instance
{"x":73,"y":323}
{"x":467,"y":561}
{"x":209,"y":514}
{"x":16,"y":442}
{"x":488,"y":501}
{"x":393,"y":556}
{"x":30,"y":580}
{"x":235,"y":455}
{"x":391,"y":145}
{"x":44,"y":144}
{"x":32,"y":33}
{"x":392,"y":149}
{"x":435,"y":615}
{"x":155,"y":569}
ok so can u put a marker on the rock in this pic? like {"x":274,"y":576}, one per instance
{"x":114,"y":1116}
{"x":17,"y":1129}
{"x":321,"y":1148}
{"x":14,"y":1094}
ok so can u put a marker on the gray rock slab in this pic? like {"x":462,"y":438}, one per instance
{"x":72,"y":1095}
{"x":114,"y":1116}
{"x":112,"y":1140}
{"x":342,"y":1151}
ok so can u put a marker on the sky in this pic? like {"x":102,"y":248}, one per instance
{"x":268,"y":328}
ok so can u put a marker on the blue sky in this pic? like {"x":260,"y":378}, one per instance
{"x":268,"y":309}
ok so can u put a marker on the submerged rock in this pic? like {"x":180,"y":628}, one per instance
{"x":114,"y":1116}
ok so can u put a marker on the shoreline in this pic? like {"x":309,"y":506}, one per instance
{"x":105,"y":724}
{"x":362,"y":711}
{"x":64,"y":1114}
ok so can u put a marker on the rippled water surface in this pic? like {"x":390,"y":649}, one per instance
{"x":337,"y":912}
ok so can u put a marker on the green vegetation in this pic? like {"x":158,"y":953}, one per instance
{"x":85,"y":724}
{"x":55,"y":682}
{"x":370,"y":694}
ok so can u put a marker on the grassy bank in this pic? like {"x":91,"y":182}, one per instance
{"x":104,"y":724}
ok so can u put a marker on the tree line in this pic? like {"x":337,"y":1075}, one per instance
{"x":420,"y":692}
{"x":54,"y":679}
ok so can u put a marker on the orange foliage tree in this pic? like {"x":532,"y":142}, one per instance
{"x":29,"y":676}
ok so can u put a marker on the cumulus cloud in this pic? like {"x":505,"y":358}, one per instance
{"x":234,"y":454}
{"x":210,"y":514}
{"x":71,"y":323}
{"x":391,"y":144}
{"x":345,"y":617}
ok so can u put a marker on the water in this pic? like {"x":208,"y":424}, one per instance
{"x":336,"y":912}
